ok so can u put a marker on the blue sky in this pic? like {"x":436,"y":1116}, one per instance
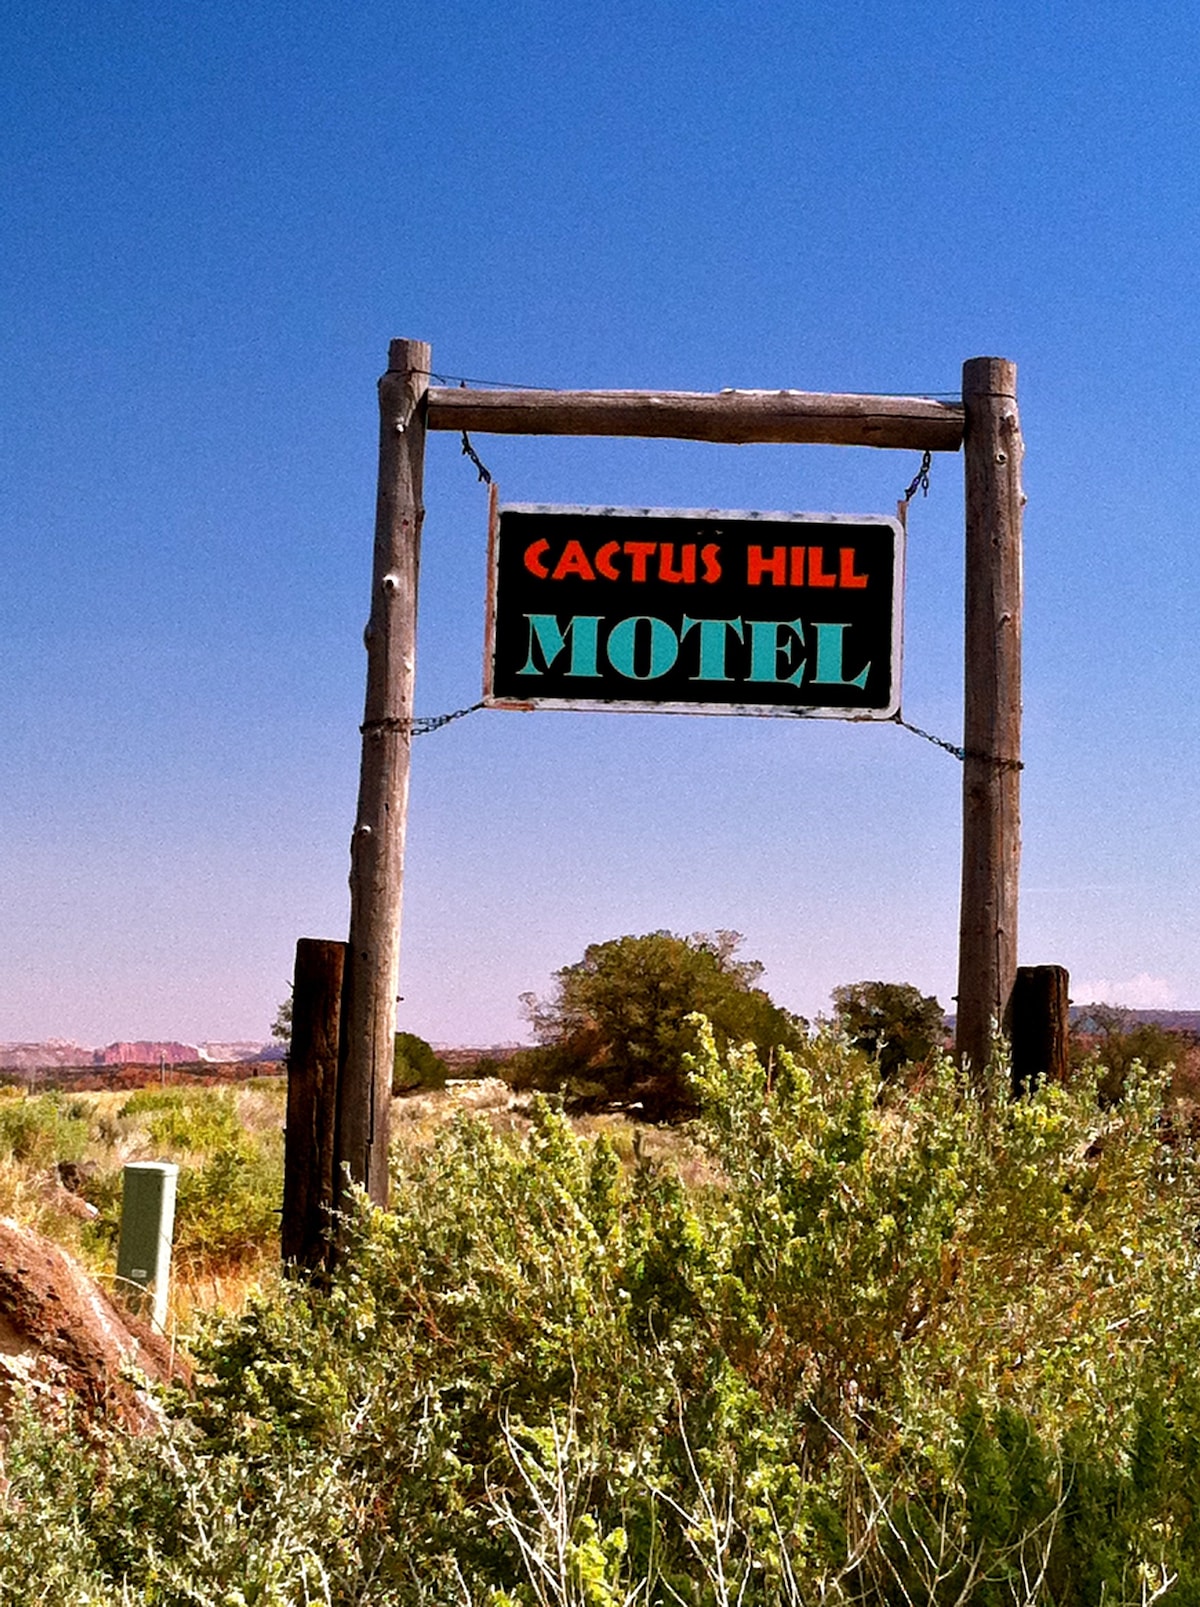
{"x":216,"y":216}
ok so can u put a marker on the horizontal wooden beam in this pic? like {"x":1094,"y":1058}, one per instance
{"x":907,"y":422}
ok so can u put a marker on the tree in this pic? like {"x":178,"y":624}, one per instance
{"x":281,"y":1027}
{"x":1115,"y":1038}
{"x":615,"y":1027}
{"x":417,"y":1064}
{"x":893,"y":1020}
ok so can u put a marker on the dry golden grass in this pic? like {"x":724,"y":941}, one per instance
{"x":103,"y":1131}
{"x":197,"y":1292}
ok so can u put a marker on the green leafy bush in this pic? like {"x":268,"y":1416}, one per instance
{"x":37,"y":1130}
{"x":186,"y":1120}
{"x":227,"y":1207}
{"x":417,"y":1064}
{"x":230,"y":1182}
{"x":921,"y":1347}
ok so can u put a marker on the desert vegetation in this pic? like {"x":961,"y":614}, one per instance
{"x":61,"y":1160}
{"x":844,"y":1338}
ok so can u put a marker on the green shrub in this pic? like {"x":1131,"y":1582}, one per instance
{"x":185,"y":1120}
{"x":417,"y":1064}
{"x":917,"y":1347}
{"x":230,"y":1183}
{"x":37,"y":1130}
{"x":891,"y":1020}
{"x":227,"y":1207}
{"x":1112,"y":1040}
{"x":156,"y":1099}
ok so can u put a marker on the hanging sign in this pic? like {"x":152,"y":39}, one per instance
{"x":694,"y":612}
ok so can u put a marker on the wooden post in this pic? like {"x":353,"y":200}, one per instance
{"x":311,"y":1103}
{"x":377,"y":845}
{"x":987,"y":954}
{"x":1039,"y":1025}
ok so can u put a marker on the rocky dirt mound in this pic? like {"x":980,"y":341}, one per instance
{"x":60,"y":1332}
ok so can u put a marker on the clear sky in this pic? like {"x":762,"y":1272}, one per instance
{"x":215,"y":217}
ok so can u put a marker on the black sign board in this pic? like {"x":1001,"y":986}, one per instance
{"x":696,"y":612}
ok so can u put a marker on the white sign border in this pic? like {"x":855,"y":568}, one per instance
{"x":614,"y":706}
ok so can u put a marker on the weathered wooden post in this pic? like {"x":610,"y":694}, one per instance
{"x":991,"y":855}
{"x":311,"y":1103}
{"x":377,"y":844}
{"x":1039,"y":1025}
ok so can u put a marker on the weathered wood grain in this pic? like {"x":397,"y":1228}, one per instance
{"x":377,"y":843}
{"x":991,"y":825}
{"x":738,"y":417}
{"x":311,"y":1103}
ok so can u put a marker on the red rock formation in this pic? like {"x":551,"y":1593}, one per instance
{"x":145,"y":1053}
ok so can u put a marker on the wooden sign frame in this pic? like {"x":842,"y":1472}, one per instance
{"x":985,"y":424}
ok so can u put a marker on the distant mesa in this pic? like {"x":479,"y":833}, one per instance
{"x":55,"y":1052}
{"x":246,"y":1049}
{"x":61,"y":1054}
{"x":144,"y":1052}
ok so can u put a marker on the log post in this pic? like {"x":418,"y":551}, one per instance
{"x":1039,"y":1026}
{"x":987,"y":955}
{"x":377,"y":844}
{"x":311,"y":1103}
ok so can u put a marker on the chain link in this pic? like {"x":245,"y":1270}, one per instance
{"x":920,"y":480}
{"x":938,"y":742}
{"x":435,"y":722}
{"x":468,"y":451}
{"x":420,"y":725}
{"x":961,"y":754}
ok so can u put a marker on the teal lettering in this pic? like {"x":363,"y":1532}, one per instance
{"x":664,"y":647}
{"x":550,"y":640}
{"x":831,"y":658}
{"x":714,"y":639}
{"x":773,"y":656}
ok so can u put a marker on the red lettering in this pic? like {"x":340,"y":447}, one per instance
{"x":604,"y":560}
{"x":534,"y":554}
{"x":758,"y":565}
{"x":710,"y":557}
{"x":846,"y":575}
{"x":816,"y":575}
{"x":796,"y":573}
{"x":641,"y":552}
{"x":574,"y":561}
{"x":687,"y":564}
